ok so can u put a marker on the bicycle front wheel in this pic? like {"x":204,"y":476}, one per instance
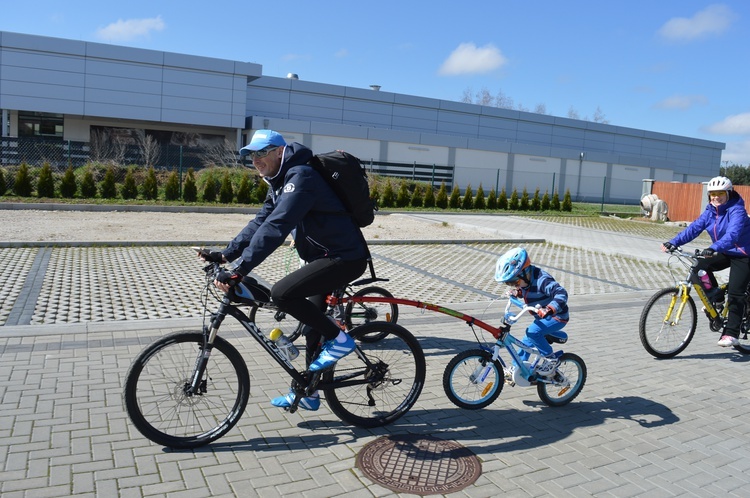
{"x":472,"y":380}
{"x":357,"y":314}
{"x":157,"y":400}
{"x":567,"y":382}
{"x":394,"y":368}
{"x":663,"y":333}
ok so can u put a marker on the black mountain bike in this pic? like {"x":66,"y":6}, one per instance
{"x":189,"y":388}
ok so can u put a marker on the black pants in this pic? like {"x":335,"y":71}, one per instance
{"x":302,"y":294}
{"x":739,"y":277}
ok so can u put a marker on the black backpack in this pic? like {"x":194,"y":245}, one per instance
{"x":347,"y":177}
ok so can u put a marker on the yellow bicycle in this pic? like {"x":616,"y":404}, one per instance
{"x":669,"y":319}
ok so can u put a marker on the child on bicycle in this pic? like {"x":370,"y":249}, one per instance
{"x":534,"y":286}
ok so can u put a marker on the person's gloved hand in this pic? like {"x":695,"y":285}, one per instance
{"x":229,"y":278}
{"x":513,"y":292}
{"x":669,"y":247}
{"x":708,"y":253}
{"x":211,"y":256}
{"x":545,"y":312}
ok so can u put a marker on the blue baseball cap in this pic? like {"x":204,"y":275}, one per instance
{"x":262,"y":139}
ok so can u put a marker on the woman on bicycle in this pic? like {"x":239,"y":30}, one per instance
{"x":299,"y":202}
{"x":728,"y":225}
{"x":535,"y":286}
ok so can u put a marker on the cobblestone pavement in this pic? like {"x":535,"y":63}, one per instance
{"x":641,"y":427}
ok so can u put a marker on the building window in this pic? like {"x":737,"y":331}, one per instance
{"x":40,"y":124}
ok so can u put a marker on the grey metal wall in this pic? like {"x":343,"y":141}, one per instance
{"x":95,"y":80}
{"x":367,"y":113}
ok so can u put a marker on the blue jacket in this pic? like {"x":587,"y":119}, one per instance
{"x":544,"y":290}
{"x":727,"y":225}
{"x":299,"y":202}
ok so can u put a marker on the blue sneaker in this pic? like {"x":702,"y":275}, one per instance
{"x":312,"y":403}
{"x":332,"y":352}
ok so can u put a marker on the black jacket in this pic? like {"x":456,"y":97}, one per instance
{"x":300,"y":202}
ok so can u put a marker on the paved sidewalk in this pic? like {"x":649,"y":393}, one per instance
{"x":641,"y":427}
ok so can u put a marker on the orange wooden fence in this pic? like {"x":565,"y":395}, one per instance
{"x":685,"y":199}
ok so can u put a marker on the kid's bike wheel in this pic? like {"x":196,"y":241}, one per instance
{"x":472,"y":380}
{"x":394,"y":368}
{"x":156,"y":397}
{"x":566,"y":383}
{"x":357,"y":314}
{"x":664,"y":334}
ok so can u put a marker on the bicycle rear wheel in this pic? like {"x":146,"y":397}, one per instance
{"x":357,"y":314}
{"x":661,"y":335}
{"x":394,"y":368}
{"x":567,"y":382}
{"x":472,"y":380}
{"x":155,"y":391}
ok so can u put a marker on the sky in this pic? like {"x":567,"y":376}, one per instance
{"x":679,"y":67}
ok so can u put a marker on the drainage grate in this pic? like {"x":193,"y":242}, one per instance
{"x":418,"y":464}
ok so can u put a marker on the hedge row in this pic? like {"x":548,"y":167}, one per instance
{"x":227,"y":185}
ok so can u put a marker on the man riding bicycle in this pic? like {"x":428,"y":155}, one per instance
{"x":299,"y":202}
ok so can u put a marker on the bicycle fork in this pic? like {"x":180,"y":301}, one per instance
{"x":198,"y":383}
{"x":673,"y":317}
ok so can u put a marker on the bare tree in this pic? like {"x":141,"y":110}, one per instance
{"x":148,"y":147}
{"x":503,"y":101}
{"x":467,"y":97}
{"x":105,"y":149}
{"x":599,"y":116}
{"x":223,"y":154}
{"x":540,"y":109}
{"x":573,"y":114}
{"x":484,"y":97}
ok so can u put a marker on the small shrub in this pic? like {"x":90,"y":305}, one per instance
{"x":513,"y":203}
{"x":492,"y":200}
{"x":468,"y":200}
{"x":523,"y":205}
{"x":3,"y":187}
{"x":402,"y":199}
{"x":416,"y":197}
{"x":45,"y":185}
{"x":108,"y":188}
{"x":545,"y":201}
{"x":245,"y":192}
{"x":388,"y":198}
{"x":536,"y":201}
{"x":129,"y":188}
{"x":22,"y":186}
{"x":260,"y":192}
{"x":190,"y":189}
{"x":375,"y":194}
{"x":226,"y":192}
{"x":88,"y":185}
{"x":209,"y":189}
{"x":567,"y":204}
{"x":502,"y":201}
{"x":479,"y":200}
{"x":150,"y":185}
{"x":441,"y":200}
{"x":556,"y":202}
{"x":68,"y":184}
{"x":172,"y":187}
{"x":429,"y":198}
{"x":455,"y":199}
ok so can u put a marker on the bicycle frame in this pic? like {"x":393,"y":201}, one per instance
{"x":501,"y":334}
{"x":691,"y":280}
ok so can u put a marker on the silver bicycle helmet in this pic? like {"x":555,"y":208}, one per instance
{"x":720,"y":183}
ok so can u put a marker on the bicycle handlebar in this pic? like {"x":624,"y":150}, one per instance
{"x":510,"y":318}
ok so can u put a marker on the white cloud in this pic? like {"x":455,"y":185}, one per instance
{"x":341,"y":53}
{"x":737,"y":153}
{"x":467,"y":58}
{"x":126,"y":30}
{"x":737,"y":124}
{"x":681,"y":102}
{"x":713,"y":20}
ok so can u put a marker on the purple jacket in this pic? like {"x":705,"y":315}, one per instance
{"x":727,"y":225}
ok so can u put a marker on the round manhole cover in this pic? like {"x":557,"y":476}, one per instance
{"x":421,"y":465}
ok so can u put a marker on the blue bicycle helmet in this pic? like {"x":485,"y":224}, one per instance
{"x":512,"y":265}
